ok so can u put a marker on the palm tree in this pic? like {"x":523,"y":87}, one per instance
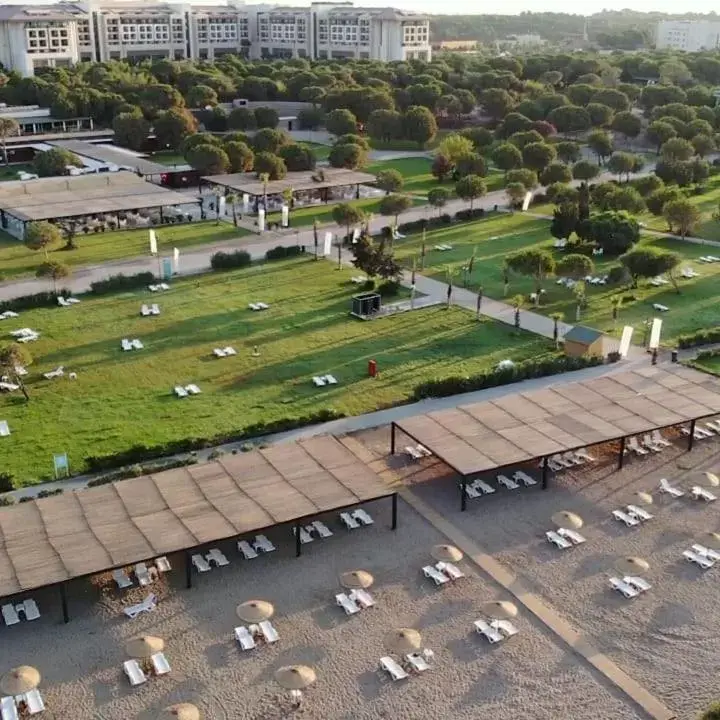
{"x":517,"y":303}
{"x":580,"y":298}
{"x":315,"y":236}
{"x":556,"y":318}
{"x":449,"y":272}
{"x":264,"y":179}
{"x":616,"y":304}
{"x":479,"y":301}
{"x":232,"y":198}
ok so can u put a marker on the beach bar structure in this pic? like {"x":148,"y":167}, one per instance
{"x":51,"y":541}
{"x":531,"y":427}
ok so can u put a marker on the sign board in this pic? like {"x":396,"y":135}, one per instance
{"x":261,"y":220}
{"x":526,"y":201}
{"x":655,"y":334}
{"x":285,"y":216}
{"x":625,"y":341}
{"x":327,"y":249}
{"x":153,"y":242}
{"x":61,"y":465}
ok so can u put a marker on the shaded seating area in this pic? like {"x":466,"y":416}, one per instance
{"x":50,"y":541}
{"x":532,"y":427}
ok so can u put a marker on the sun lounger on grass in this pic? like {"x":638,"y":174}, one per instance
{"x":362,"y":517}
{"x":154,"y":309}
{"x":180,"y":391}
{"x":660,"y":308}
{"x":622,"y":587}
{"x":137,"y":344}
{"x":269,"y":632}
{"x":193,"y":389}
{"x":160,"y":664}
{"x":4,"y":428}
{"x":392,"y":668}
{"x":126,"y":344}
{"x":322,"y":529}
{"x":704,"y":562}
{"x":622,"y":516}
{"x":558,"y":540}
{"x":572,"y":535}
{"x":229,"y":351}
{"x":700,"y":493}
{"x":638,"y":583}
{"x":435,"y":575}
{"x":706,"y":552}
{"x":10,"y":615}
{"x":346,"y":604}
{"x":639,"y":513}
{"x":246,"y":549}
{"x":31,"y":610}
{"x":331,"y":380}
{"x":305,"y":536}
{"x":217,"y":352}
{"x":200,"y":563}
{"x":8,"y":709}
{"x":362,"y":598}
{"x":452,"y":571}
{"x":319,"y":381}
{"x":349,"y":521}
{"x":144,"y":310}
{"x":163,"y":564}
{"x":134,"y":672}
{"x":507,"y":482}
{"x":243,"y":636}
{"x":253,"y":306}
{"x":524,"y":478}
{"x":489,"y":632}
{"x":216,"y":556}
{"x":417,"y":662}
{"x":262,"y":543}
{"x":484,"y":488}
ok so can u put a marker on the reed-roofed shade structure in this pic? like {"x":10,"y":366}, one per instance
{"x":527,"y":427}
{"x":50,"y":541}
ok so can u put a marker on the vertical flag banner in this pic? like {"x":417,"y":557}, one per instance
{"x":261,"y":220}
{"x":285,"y":216}
{"x":176,"y":260}
{"x":356,"y":235}
{"x":246,"y":203}
{"x":625,"y":341}
{"x":153,"y":242}
{"x":328,"y":243}
{"x":655,"y":334}
{"x":221,"y":205}
{"x":166,"y":268}
{"x":526,"y":201}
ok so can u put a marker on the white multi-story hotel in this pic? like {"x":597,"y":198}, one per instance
{"x":66,"y":33}
{"x":688,"y":35}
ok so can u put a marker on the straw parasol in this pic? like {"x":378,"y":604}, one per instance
{"x":631,"y":565}
{"x":712,"y":479}
{"x":644,"y":498}
{"x":144,"y":647}
{"x":295,"y":677}
{"x":403,"y":641}
{"x":500,"y":609}
{"x":357,"y":579}
{"x":446,"y":553}
{"x":20,"y":680}
{"x":255,"y":611}
{"x":181,"y":711}
{"x":712,"y":539}
{"x":565,"y":518}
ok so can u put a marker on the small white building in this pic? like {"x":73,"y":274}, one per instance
{"x":688,"y":35}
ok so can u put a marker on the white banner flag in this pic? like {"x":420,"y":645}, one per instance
{"x":261,"y":220}
{"x":153,"y":242}
{"x":356,"y":235}
{"x":221,"y":205}
{"x":285,"y":216}
{"x":176,"y":260}
{"x":526,"y":201}
{"x":655,"y":334}
{"x":328,"y":243}
{"x":246,"y":203}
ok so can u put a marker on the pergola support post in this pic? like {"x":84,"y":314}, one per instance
{"x":545,"y":473}
{"x":394,"y":511}
{"x":357,"y":191}
{"x":621,"y":454}
{"x":188,"y":570}
{"x":298,"y":543}
{"x":463,"y":494}
{"x":691,"y":437}
{"x":392,"y":438}
{"x":64,"y":603}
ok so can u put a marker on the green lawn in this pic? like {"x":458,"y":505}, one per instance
{"x":497,"y":236}
{"x":711,"y":364}
{"x":16,"y":260}
{"x":10,"y":172}
{"x":168,"y":157}
{"x":125,"y":398}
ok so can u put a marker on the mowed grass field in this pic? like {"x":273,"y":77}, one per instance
{"x":494,"y":238}
{"x":16,"y":260}
{"x":121,"y":399}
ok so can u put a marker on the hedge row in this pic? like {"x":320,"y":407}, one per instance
{"x":230,"y":261}
{"x":281,"y":252}
{"x":493,"y":378}
{"x":437,"y":221}
{"x":120,"y":283}
{"x":29,"y":302}
{"x":701,"y":337}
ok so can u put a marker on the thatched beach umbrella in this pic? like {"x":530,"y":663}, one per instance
{"x":446,"y":553}
{"x":712,"y":539}
{"x":181,"y":711}
{"x":644,"y":498}
{"x":500,"y":609}
{"x":627,"y":565}
{"x":144,"y":647}
{"x":255,"y":611}
{"x":712,"y":479}
{"x":357,"y":580}
{"x":567,"y":519}
{"x":295,"y":677}
{"x":20,"y":680}
{"x":403,"y":641}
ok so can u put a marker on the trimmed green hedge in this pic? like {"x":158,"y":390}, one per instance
{"x":281,"y":252}
{"x":28,"y":302}
{"x":230,"y":261}
{"x":119,"y":283}
{"x":701,"y":337}
{"x":493,"y":378}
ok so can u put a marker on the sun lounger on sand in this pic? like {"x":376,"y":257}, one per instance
{"x":200,"y":563}
{"x":507,"y":482}
{"x":163,"y":564}
{"x":637,"y":582}
{"x":246,"y":549}
{"x":622,"y":587}
{"x":706,"y":552}
{"x":524,"y":478}
{"x":146,"y":605}
{"x":417,"y":662}
{"x":639,"y":513}
{"x":483,"y":487}
{"x":216,"y":556}
{"x":558,"y":540}
{"x":362,"y":517}
{"x":392,"y":668}
{"x":624,"y":517}
{"x":305,"y":536}
{"x":269,"y":632}
{"x":504,"y":626}
{"x":572,"y":535}
{"x":160,"y":664}
{"x":349,"y":521}
{"x":8,"y":709}
{"x":452,"y":571}
{"x":700,"y":493}
{"x":322,"y":529}
{"x":472,"y":492}
{"x":122,"y":580}
{"x":263,"y":544}
{"x":31,"y":610}
{"x":704,"y":562}
{"x":10,"y":615}
{"x":635,"y":447}
{"x":34,"y":702}
{"x":490,"y":633}
{"x":134,"y":672}
{"x":435,"y":575}
{"x":243,"y":636}
{"x":346,"y":604}
{"x":666,"y":487}
{"x":142,"y":574}
{"x":362,"y":598}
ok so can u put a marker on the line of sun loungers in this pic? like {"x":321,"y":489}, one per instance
{"x":147,"y":310}
{"x":191,"y":389}
{"x":700,"y":433}
{"x":143,"y":574}
{"x":258,"y":306}
{"x":416,"y":662}
{"x":443,"y":247}
{"x":134,"y":344}
{"x":224,"y":352}
{"x":709,"y":259}
{"x":318,"y":528}
{"x":136,"y":675}
{"x":479,"y":487}
{"x":322,"y":380}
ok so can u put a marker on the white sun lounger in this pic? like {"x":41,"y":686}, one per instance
{"x":200,"y":563}
{"x":162,"y":564}
{"x":126,"y":344}
{"x":160,"y":664}
{"x":483,"y":487}
{"x":180,"y":391}
{"x":639,"y":513}
{"x":573,"y":458}
{"x":34,"y":701}
{"x":554,"y":465}
{"x":146,"y":605}
{"x":472,"y":492}
{"x":322,"y":529}
{"x":246,"y":549}
{"x":154,"y":309}
{"x":28,"y":338}
{"x":72,"y":300}
{"x":418,"y":662}
{"x":585,"y":455}
{"x":319,"y":381}
{"x":218,"y":352}
{"x":305,"y":536}
{"x":706,"y":552}
{"x":704,"y":562}
{"x":452,"y":571}
{"x":243,"y":636}
{"x":137,"y":344}
{"x":254,"y":306}
{"x":331,"y":380}
{"x":362,"y":517}
{"x":144,"y":310}
{"x":507,"y":482}
{"x":666,"y":487}
{"x":489,"y":632}
{"x":263,"y":544}
{"x":121,"y":579}
{"x":229,"y":350}
{"x":650,"y":444}
{"x":504,"y":626}
{"x":423,"y":450}
{"x":4,"y":428}
{"x":572,"y":535}
{"x":624,"y":517}
{"x":658,"y":439}
{"x":524,"y":478}
{"x":8,"y":386}
{"x":638,"y":583}
{"x":269,"y":632}
{"x":622,"y":587}
{"x":142,"y":574}
{"x":660,"y":308}
{"x":346,"y":604}
{"x":10,"y":615}
{"x":700,"y":493}
{"x":10,"y":314}
{"x":413,"y":453}
{"x":218,"y":557}
{"x":435,"y":575}
{"x":392,"y":668}
{"x":134,"y":672}
{"x":262,"y":306}
{"x":558,"y":540}
{"x":636,"y":447}
{"x":349,"y":521}
{"x":58,"y":372}
{"x":31,"y":610}
{"x":193,"y":389}
{"x":8,"y":708}
{"x":362,"y":598}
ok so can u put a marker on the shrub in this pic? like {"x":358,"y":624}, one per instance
{"x":230,"y":260}
{"x":493,"y":378}
{"x":474,"y":214}
{"x":708,"y":336}
{"x":280,"y":252}
{"x":118,"y":283}
{"x":389,"y":288}
{"x":28,"y":302}
{"x":613,"y":356}
{"x":6,"y":482}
